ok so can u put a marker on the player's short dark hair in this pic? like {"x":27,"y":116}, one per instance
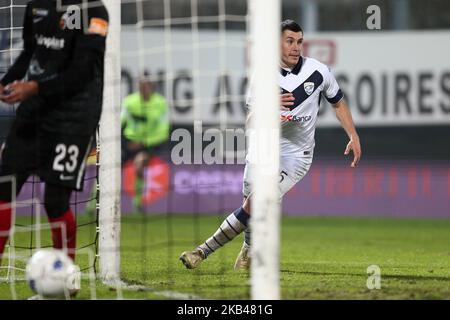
{"x":290,"y":25}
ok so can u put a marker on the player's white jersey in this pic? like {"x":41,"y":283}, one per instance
{"x":307,"y":81}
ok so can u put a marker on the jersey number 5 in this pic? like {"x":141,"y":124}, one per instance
{"x":283,"y":174}
{"x":61,"y":163}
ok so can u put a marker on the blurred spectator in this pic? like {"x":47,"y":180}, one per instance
{"x":145,"y":130}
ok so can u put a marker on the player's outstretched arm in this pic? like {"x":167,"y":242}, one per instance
{"x":345,"y":117}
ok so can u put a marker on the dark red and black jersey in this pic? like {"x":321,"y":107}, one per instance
{"x":64,"y":49}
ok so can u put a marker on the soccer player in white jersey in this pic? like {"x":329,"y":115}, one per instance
{"x":303,"y":81}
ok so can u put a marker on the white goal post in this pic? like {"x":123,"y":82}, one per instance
{"x":264,"y":140}
{"x":264,"y":24}
{"x":110,"y":153}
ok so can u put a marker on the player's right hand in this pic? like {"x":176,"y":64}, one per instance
{"x":5,"y":92}
{"x":355,"y":146}
{"x":19,"y":91}
{"x":287,"y":100}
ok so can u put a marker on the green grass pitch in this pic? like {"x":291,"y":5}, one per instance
{"x":321,"y":258}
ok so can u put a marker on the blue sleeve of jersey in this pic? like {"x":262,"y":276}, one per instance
{"x":339,"y":95}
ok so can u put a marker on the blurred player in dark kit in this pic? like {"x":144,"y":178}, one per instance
{"x":58,"y":82}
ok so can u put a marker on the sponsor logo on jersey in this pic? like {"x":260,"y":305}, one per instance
{"x":40,"y":12}
{"x":309,"y":87}
{"x":35,"y":69}
{"x":38,"y":19}
{"x":291,"y":118}
{"x":98,"y":26}
{"x":50,"y":43}
{"x":65,"y":178}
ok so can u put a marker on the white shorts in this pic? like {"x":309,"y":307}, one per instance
{"x":291,"y":172}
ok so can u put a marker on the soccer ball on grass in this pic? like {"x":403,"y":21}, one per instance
{"x":52,"y":274}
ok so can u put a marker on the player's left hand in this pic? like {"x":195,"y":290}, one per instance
{"x":19,"y":91}
{"x":354,"y":146}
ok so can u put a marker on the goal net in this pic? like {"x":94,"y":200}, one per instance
{"x":31,"y":229}
{"x":199,"y":55}
{"x":138,"y":216}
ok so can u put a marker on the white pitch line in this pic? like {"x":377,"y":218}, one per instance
{"x":166,"y":293}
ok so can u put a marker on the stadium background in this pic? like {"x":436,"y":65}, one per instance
{"x":399,"y":95}
{"x":404,"y":172}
